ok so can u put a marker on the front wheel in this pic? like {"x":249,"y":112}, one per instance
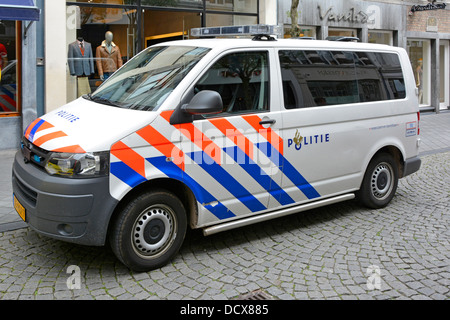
{"x":380,"y":182}
{"x":149,"y":230}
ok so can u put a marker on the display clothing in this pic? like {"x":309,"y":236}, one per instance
{"x":3,"y":56}
{"x":108,"y":59}
{"x":83,"y":86}
{"x":81,"y":58}
{"x":106,"y":75}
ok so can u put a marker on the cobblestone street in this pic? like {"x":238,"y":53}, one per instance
{"x":272,"y":126}
{"x":338,"y":252}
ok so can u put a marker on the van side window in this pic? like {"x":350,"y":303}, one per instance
{"x":242,"y":79}
{"x":379,"y":76}
{"x":319,"y":78}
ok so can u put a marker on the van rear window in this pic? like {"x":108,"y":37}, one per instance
{"x":314,"y":78}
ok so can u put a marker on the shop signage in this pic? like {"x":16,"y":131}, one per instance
{"x":344,"y":14}
{"x":352,"y":15}
{"x":432,"y":24}
{"x":430,"y":6}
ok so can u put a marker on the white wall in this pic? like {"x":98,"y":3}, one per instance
{"x":268,"y":12}
{"x":55,"y":54}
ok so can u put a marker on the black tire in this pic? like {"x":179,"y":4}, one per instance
{"x":149,"y":230}
{"x":380,"y":182}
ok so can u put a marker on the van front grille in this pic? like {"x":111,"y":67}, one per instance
{"x":26,"y":192}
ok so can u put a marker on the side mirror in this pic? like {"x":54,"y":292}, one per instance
{"x":204,"y":102}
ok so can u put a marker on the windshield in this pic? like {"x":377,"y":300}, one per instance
{"x":146,"y":81}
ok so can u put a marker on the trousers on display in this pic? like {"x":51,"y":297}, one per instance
{"x":83,"y":86}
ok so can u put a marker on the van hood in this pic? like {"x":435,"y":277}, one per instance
{"x":85,"y":126}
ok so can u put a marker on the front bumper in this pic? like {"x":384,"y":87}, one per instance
{"x":73,"y":210}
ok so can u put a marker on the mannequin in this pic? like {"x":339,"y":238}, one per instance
{"x":3,"y":59}
{"x":419,"y":79}
{"x":81,"y":63}
{"x":109,"y":58}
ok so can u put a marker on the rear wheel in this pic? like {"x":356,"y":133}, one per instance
{"x":380,"y":182}
{"x":149,"y":231}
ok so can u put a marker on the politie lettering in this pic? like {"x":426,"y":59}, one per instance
{"x":315,"y":139}
{"x":68,"y":116}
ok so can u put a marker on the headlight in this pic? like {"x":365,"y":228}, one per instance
{"x":78,"y":165}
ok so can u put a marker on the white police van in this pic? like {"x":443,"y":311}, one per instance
{"x":217,"y":134}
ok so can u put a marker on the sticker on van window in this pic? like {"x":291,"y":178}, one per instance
{"x":411,"y":129}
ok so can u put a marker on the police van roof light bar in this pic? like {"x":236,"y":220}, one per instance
{"x":244,"y":30}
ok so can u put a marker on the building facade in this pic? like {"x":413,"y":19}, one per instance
{"x":47,"y":74}
{"x":133,"y":25}
{"x":421,"y":27}
{"x":20,"y":21}
{"x":51,"y":72}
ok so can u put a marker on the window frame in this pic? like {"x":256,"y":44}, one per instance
{"x":190,"y":91}
{"x":18,"y":111}
{"x":383,"y":84}
{"x":357,"y":79}
{"x":202,"y":10}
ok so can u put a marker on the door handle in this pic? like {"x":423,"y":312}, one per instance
{"x":268,"y":121}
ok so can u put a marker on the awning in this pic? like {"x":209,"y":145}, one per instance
{"x":19,"y":10}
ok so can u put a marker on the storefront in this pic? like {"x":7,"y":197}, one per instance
{"x":45,"y":69}
{"x":428,"y":35}
{"x":423,"y":30}
{"x":102,"y":35}
{"x":43,"y":58}
{"x":376,"y":22}
{"x":17,"y":45}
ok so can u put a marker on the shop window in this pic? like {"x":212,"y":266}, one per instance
{"x":381,"y":37}
{"x":101,"y":41}
{"x":444,"y":74}
{"x":88,"y":22}
{"x":161,"y":26}
{"x":334,"y":32}
{"x":191,"y":4}
{"x":217,"y":20}
{"x":247,"y":6}
{"x":127,"y":2}
{"x":419,"y":55}
{"x":8,"y":68}
{"x":309,"y":32}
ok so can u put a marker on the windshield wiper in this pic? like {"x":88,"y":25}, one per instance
{"x":103,"y":101}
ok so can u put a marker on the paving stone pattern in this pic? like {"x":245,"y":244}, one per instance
{"x":342,"y":251}
{"x":328,"y":253}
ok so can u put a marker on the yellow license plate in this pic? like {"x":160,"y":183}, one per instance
{"x":19,"y":208}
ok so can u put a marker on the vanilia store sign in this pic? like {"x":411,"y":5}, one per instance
{"x":345,"y":13}
{"x":353,"y":15}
